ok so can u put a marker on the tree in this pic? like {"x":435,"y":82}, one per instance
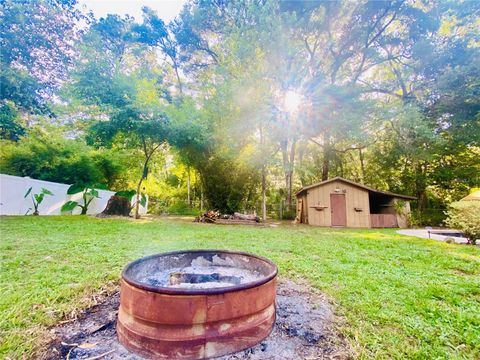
{"x":432,"y":70}
{"x":10,"y":128}
{"x":386,"y":94}
{"x":130,"y":100}
{"x":36,"y":45}
{"x":225,"y":175}
{"x":47,"y":156}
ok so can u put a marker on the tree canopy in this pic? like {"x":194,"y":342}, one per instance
{"x":244,"y":102}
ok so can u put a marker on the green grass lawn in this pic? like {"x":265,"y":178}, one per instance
{"x":396,"y":297}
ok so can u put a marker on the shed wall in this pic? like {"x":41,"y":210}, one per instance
{"x":355,"y":198}
{"x":402,"y":215}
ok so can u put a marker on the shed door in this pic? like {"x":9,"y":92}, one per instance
{"x":338,"y":209}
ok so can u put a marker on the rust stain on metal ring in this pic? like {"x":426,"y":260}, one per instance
{"x":195,"y":323}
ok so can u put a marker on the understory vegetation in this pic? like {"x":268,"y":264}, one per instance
{"x":394,"y":296}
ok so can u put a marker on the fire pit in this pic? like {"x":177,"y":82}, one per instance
{"x":196,"y":304}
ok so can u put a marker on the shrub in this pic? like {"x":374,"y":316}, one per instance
{"x":37,"y":199}
{"x":89,"y":192}
{"x":53,"y":158}
{"x":182,"y":208}
{"x":465,"y":216}
{"x":429,"y":217}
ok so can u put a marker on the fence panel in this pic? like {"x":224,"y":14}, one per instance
{"x":14,"y":188}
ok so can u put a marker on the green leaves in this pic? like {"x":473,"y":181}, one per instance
{"x":46,"y":191}
{"x":93,"y":193}
{"x":99,"y":186}
{"x":91,"y":188}
{"x":129,"y":194}
{"x":465,"y":215}
{"x":39,"y":197}
{"x":89,"y":192}
{"x":28,"y":192}
{"x":42,"y":192}
{"x":143,"y":200}
{"x":69,"y":206}
{"x":75,"y":189}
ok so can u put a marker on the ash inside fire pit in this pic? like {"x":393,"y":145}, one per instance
{"x":209,"y":270}
{"x":202,"y":274}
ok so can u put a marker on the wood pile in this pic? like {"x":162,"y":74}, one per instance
{"x":215,"y":217}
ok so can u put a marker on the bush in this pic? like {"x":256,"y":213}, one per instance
{"x":465,"y":216}
{"x":429,"y":217}
{"x":56,"y":159}
{"x":181,"y":208}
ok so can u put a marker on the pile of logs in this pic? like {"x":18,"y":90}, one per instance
{"x":215,"y":217}
{"x":208,"y":217}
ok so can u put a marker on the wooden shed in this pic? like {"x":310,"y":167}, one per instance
{"x":343,"y":203}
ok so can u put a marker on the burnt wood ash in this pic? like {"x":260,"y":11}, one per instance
{"x":303,"y":330}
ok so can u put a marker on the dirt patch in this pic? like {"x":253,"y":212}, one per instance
{"x":303,"y":330}
{"x":462,"y":272}
{"x":120,"y":217}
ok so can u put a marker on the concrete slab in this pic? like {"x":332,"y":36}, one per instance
{"x":430,"y":234}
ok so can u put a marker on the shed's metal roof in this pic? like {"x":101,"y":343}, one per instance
{"x":369,"y":189}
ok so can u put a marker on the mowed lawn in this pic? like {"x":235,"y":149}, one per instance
{"x":395,"y":296}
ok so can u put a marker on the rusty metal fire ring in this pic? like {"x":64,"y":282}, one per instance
{"x":195,"y":323}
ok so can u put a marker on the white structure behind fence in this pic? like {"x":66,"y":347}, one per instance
{"x":14,"y":188}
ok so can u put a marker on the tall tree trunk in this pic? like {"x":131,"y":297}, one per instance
{"x":200,"y":182}
{"x":340,"y":162}
{"x":188,"y":188}
{"x":326,"y":156}
{"x":288,"y":185}
{"x":325,"y":162}
{"x":264,"y":175}
{"x":421,"y":187}
{"x":179,"y":81}
{"x":288,"y":163}
{"x":292,"y":164}
{"x":148,"y":155}
{"x":139,"y":187}
{"x":264,"y":195}
{"x":362,"y":165}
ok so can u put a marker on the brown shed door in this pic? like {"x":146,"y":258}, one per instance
{"x":338,"y":208}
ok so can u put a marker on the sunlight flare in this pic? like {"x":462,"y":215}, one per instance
{"x":292,"y":101}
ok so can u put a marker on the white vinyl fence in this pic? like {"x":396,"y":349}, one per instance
{"x":14,"y":188}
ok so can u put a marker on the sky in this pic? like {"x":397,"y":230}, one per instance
{"x":166,"y":9}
